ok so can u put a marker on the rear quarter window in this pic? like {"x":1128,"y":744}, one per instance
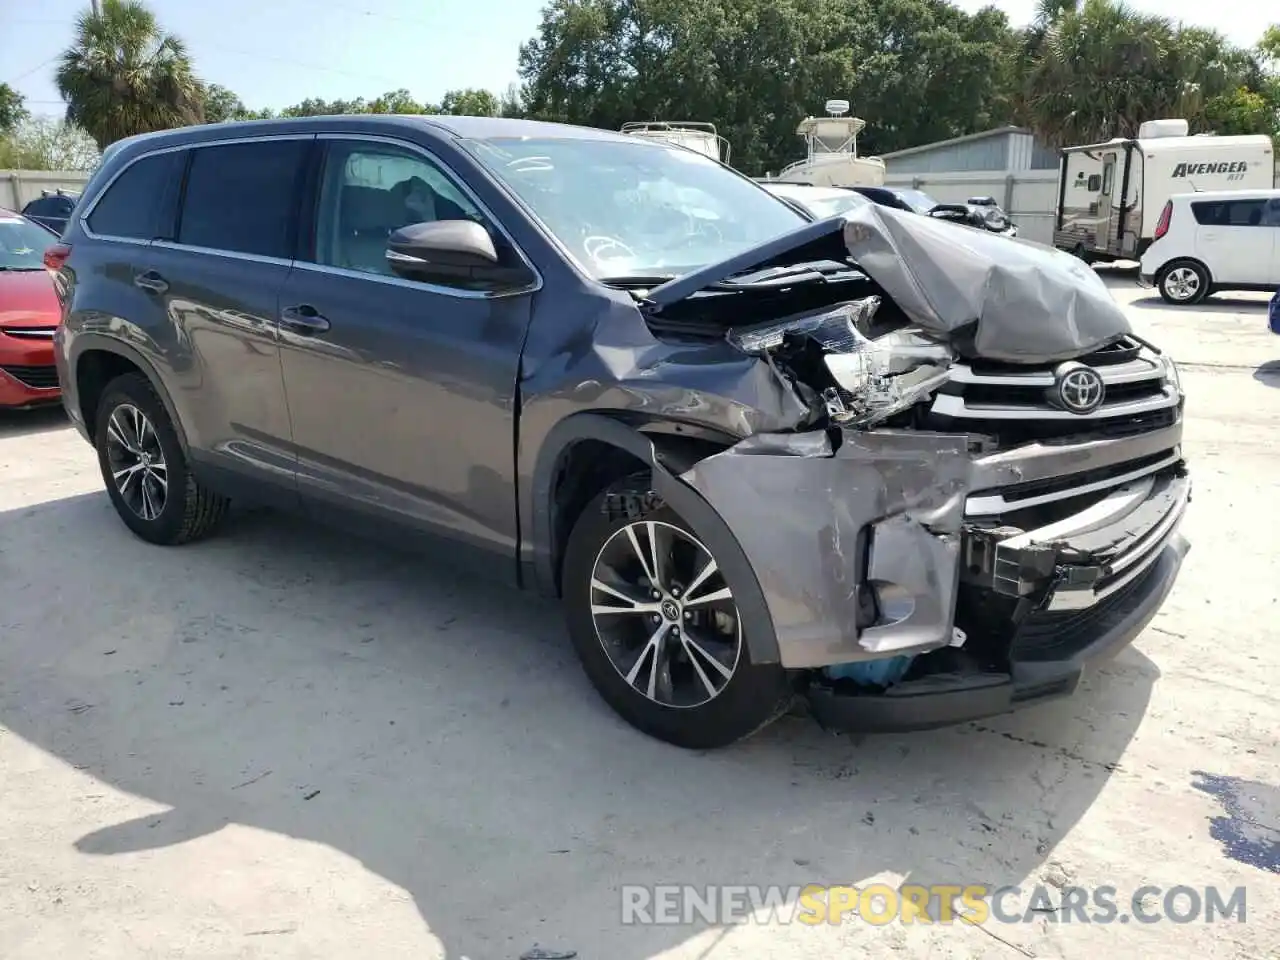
{"x":1230,"y":213}
{"x":134,"y":205}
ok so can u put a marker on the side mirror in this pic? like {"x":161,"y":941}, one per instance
{"x":451,"y":252}
{"x":950,"y":211}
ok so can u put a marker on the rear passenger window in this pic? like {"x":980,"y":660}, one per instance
{"x":133,"y":205}
{"x":1231,"y":213}
{"x":240,"y":197}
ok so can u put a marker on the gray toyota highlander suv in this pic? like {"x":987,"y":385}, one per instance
{"x":913,"y":474}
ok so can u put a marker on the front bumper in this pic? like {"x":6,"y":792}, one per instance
{"x":28,"y":377}
{"x":17,"y":395}
{"x":945,"y":699}
{"x":876,"y":541}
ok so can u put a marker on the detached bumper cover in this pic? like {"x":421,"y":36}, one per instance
{"x":862,"y":544}
{"x":945,"y":699}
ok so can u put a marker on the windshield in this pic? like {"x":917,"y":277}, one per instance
{"x":918,"y":200}
{"x":628,"y":209}
{"x":22,"y":243}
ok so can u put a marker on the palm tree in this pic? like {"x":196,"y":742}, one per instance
{"x":1102,"y":68}
{"x":124,"y":75}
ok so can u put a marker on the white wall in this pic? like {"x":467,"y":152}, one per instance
{"x":20,"y":187}
{"x":1028,"y":196}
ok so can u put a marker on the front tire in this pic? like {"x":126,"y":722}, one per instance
{"x":145,"y":469}
{"x":1183,"y":282}
{"x":658,"y":632}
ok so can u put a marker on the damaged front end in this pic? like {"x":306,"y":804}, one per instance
{"x":951,"y":534}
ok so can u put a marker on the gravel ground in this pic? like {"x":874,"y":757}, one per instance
{"x":287,"y":743}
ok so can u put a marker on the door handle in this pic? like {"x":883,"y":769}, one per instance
{"x":150,"y":281}
{"x":304,"y":318}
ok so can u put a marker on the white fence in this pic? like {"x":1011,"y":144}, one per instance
{"x":20,"y":187}
{"x":1028,"y":196}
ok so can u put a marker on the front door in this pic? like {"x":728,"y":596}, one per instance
{"x":1106,"y":216}
{"x":402,"y":394}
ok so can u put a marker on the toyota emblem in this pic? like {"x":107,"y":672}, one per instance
{"x":1079,"y":388}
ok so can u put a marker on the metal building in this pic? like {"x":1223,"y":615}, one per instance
{"x":1006,"y":149}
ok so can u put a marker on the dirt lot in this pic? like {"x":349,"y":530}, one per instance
{"x":289,"y":744}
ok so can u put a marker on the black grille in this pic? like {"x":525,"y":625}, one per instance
{"x":1038,"y":488}
{"x":1012,"y":432}
{"x":1002,"y":394}
{"x":1122,"y":351}
{"x":1049,"y":635}
{"x":40,"y":378}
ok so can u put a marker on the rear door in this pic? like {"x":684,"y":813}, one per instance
{"x":219,"y":279}
{"x":1106,"y":216}
{"x":1233,"y":240}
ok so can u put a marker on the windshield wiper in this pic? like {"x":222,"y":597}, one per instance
{"x":638,"y":280}
{"x":817,"y":271}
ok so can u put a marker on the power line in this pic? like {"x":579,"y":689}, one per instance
{"x":39,"y":66}
{"x":299,"y":63}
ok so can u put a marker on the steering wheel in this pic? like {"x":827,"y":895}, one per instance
{"x":596,"y":244}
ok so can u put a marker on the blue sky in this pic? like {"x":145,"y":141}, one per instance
{"x":274,"y":53}
{"x":277,"y":52}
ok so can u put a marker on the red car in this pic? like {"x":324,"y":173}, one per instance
{"x":29,"y":314}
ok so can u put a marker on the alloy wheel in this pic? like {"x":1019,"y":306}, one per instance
{"x":1182,"y":283}
{"x":664,"y":614}
{"x":137,"y":462}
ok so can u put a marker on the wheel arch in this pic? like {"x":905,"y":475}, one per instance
{"x":617,"y":449}
{"x":1175,"y":261}
{"x":97,"y":361}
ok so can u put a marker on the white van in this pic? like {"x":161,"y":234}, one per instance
{"x":1220,"y":240}
{"x":1110,"y":194}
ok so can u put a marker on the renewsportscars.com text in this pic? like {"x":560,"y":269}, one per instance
{"x":879,"y":904}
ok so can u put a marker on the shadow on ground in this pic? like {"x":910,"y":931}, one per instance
{"x":441,"y":732}
{"x":25,"y":423}
{"x":1216,"y":303}
{"x":1268,"y":373}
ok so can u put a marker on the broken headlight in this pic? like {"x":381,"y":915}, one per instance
{"x":865,"y":379}
{"x":888,"y":375}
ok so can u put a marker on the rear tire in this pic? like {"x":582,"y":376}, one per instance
{"x":145,"y":469}
{"x":676,"y":666}
{"x":1183,"y":282}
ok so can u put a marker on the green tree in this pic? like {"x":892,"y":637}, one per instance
{"x":511,"y":103}
{"x":13,"y":108}
{"x":221,"y":105}
{"x":469,"y":103}
{"x":124,"y":75}
{"x":394,"y":101}
{"x":1099,"y":69}
{"x":919,"y":70}
{"x":399,"y":101}
{"x":43,"y":143}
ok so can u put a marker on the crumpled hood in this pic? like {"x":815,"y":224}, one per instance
{"x":1014,"y":300}
{"x":1026,"y":302}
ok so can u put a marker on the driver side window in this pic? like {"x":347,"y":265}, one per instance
{"x":370,"y":190}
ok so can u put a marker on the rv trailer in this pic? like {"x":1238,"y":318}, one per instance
{"x":1110,"y":194}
